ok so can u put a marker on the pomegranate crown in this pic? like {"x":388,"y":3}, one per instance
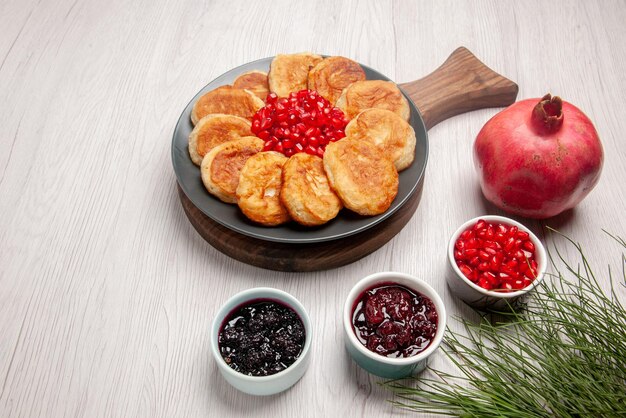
{"x":547,"y":115}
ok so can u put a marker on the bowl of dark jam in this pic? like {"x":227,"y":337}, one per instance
{"x":393,"y":323}
{"x":261,"y":340}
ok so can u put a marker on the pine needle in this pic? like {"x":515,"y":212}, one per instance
{"x":563,"y":355}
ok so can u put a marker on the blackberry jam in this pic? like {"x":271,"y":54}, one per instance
{"x":261,"y":338}
{"x":394,"y":321}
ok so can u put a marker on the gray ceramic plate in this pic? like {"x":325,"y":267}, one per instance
{"x":345,"y":224}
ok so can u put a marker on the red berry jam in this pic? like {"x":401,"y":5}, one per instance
{"x":394,"y":321}
{"x":496,"y":256}
{"x":261,"y":338}
{"x":303,"y":122}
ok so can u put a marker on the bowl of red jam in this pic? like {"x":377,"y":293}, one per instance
{"x":494,"y":261}
{"x":261,"y":339}
{"x":393,"y":323}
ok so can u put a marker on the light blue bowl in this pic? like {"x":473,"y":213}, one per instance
{"x":262,"y":385}
{"x":392,"y":368}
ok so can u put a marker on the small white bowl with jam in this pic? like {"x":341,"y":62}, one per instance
{"x":261,"y":340}
{"x":393,"y":323}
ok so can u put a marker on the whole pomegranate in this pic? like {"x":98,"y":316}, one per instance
{"x":538,"y":157}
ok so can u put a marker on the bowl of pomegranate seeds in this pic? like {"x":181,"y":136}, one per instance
{"x":493,"y":261}
{"x":393,"y":323}
{"x":261,"y":339}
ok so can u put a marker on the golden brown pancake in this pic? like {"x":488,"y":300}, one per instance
{"x":290,"y":72}
{"x":367,"y":94}
{"x":306,"y":192}
{"x":227,"y":100}
{"x":393,"y":136}
{"x":221,"y":166}
{"x":258,"y":192}
{"x":330,"y":76}
{"x":213,"y":130}
{"x":364,"y":179}
{"x":254,"y":81}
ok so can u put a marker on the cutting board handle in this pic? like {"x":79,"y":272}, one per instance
{"x":462,"y":84}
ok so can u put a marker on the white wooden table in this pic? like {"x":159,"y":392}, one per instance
{"x":107,"y":292}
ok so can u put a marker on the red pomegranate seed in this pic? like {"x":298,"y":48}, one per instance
{"x":471,"y":252}
{"x":495,"y":263}
{"x":479,"y":225}
{"x":518,"y":284}
{"x":466,"y":270}
{"x":467,"y":234}
{"x":509,"y":244}
{"x":512,"y":264}
{"x":473,"y":243}
{"x":529,"y":246}
{"x":523,"y":266}
{"x":492,"y":244}
{"x":483,"y":266}
{"x":491,"y":278}
{"x":266,"y":123}
{"x":484,"y":283}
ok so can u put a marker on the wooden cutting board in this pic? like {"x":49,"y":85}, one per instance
{"x":461,"y":84}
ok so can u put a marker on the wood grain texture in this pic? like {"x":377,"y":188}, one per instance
{"x":106,"y":290}
{"x":299,"y":257}
{"x":461,"y":84}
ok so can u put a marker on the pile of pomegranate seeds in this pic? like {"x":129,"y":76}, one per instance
{"x":496,"y":256}
{"x":304,"y":122}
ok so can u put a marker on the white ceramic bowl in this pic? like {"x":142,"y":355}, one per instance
{"x":475,"y":295}
{"x":262,"y":385}
{"x":377,"y":364}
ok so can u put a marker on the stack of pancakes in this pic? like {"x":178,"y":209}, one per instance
{"x":359,"y":172}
